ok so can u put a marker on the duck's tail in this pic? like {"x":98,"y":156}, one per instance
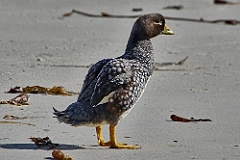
{"x":81,"y":114}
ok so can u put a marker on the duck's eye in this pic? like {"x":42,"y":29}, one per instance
{"x":159,"y":23}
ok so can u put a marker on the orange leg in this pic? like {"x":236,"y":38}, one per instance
{"x":113,"y":142}
{"x":100,"y":138}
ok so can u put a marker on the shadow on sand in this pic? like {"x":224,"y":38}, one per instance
{"x":34,"y":147}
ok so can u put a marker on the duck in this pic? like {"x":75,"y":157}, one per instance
{"x":113,"y":86}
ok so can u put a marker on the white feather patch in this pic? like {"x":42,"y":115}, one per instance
{"x":106,"y":98}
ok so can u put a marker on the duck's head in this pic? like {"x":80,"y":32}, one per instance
{"x":150,"y":25}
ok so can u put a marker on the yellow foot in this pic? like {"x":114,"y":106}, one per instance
{"x":115,"y":144}
{"x":124,"y":146}
{"x":102,"y":143}
{"x":112,"y":143}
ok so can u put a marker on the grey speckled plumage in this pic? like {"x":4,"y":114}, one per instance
{"x":112,"y":86}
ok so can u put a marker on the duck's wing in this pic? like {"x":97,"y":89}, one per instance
{"x":90,"y":79}
{"x":114,"y":75}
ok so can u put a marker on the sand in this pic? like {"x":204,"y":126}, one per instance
{"x":38,"y":47}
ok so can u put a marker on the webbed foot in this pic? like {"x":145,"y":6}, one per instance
{"x":112,"y":143}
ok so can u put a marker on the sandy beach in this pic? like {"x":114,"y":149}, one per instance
{"x":40,"y":47}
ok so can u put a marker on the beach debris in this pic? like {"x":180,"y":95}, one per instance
{"x":102,"y":15}
{"x":21,"y":123}
{"x":127,"y":137}
{"x":137,"y":9}
{"x":181,"y":62}
{"x":202,"y":20}
{"x":159,"y":66}
{"x":59,"y":155}
{"x":55,"y":90}
{"x":181,"y":119}
{"x":108,"y":15}
{"x":11,"y":117}
{"x":19,"y":100}
{"x":70,"y":65}
{"x":223,"y":2}
{"x":41,"y":142}
{"x":15,"y":90}
{"x":177,"y":7}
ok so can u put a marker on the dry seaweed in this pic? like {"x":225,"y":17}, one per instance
{"x":19,"y":100}
{"x":41,"y":142}
{"x":223,"y":2}
{"x":16,"y":90}
{"x":11,"y":122}
{"x":56,"y":90}
{"x":176,"y":7}
{"x":181,"y":119}
{"x":107,"y":15}
{"x":137,"y":9}
{"x":11,"y":117}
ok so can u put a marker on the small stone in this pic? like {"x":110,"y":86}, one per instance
{"x":41,"y":59}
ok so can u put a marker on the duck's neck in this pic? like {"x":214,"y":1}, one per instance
{"x":139,"y":48}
